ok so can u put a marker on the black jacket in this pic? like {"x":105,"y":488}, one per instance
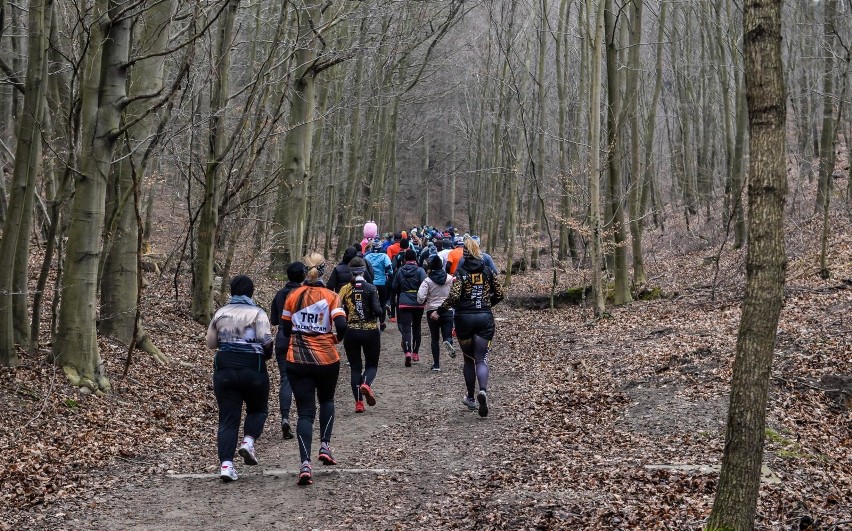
{"x":281,"y":341}
{"x":475,"y":289}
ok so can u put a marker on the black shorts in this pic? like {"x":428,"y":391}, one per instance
{"x":470,"y":324}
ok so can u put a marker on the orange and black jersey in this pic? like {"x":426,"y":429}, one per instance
{"x":361,"y":302}
{"x":310,"y":311}
{"x":475,"y":289}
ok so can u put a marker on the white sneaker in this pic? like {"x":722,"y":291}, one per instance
{"x":227,"y":473}
{"x":450,"y":349}
{"x":246,"y":451}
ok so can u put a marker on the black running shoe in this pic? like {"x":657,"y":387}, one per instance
{"x":482,"y":398}
{"x":286,"y":430}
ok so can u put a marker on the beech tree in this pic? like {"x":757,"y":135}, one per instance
{"x":739,"y":482}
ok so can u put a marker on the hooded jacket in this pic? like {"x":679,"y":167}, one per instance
{"x":406,"y":282}
{"x":342,"y":275}
{"x":435,"y":289}
{"x":475,"y":289}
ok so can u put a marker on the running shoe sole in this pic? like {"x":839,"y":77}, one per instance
{"x":227,"y":478}
{"x":287,"y":431}
{"x":247,"y":457}
{"x":305,"y":479}
{"x":408,"y":361}
{"x":327,"y":459}
{"x":368,"y":394}
{"x":451,"y":350}
{"x":482,"y":399}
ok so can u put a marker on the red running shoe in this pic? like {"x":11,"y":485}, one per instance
{"x":359,"y":406}
{"x":369,"y":396}
{"x":325,"y":455}
{"x":305,"y":476}
{"x":415,"y":356}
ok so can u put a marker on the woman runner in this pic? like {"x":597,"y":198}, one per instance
{"x":406,"y":282}
{"x":361,"y":302}
{"x":433,"y":292}
{"x":242,"y":336}
{"x":313,"y":363}
{"x":473,"y":292}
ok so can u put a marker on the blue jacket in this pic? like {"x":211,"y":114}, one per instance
{"x":382,"y":267}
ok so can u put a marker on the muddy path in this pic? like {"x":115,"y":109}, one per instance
{"x":397,"y":462}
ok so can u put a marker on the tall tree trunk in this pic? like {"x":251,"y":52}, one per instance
{"x":828,"y":135}
{"x":104,"y":94}
{"x":739,"y":482}
{"x":289,"y":228}
{"x":14,"y":246}
{"x":616,"y":185}
{"x":595,"y":166}
{"x":202,"y":268}
{"x":636,"y":171}
{"x":120,"y":274}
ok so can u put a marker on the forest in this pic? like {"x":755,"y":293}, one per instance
{"x":665,"y":188}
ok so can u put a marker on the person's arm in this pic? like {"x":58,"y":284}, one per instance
{"x":332,"y":280}
{"x":452,"y":298}
{"x":376,"y":305}
{"x":369,"y":275}
{"x":275,"y":310}
{"x":212,"y":335}
{"x":340,"y":327}
{"x":263,"y":332}
{"x":497,"y":291}
{"x":422,"y":292}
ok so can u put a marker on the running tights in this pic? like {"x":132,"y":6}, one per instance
{"x":475,"y":350}
{"x":354,"y":342}
{"x":312,"y":384}
{"x":409,"y":322}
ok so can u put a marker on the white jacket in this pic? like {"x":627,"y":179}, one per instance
{"x":432,"y":294}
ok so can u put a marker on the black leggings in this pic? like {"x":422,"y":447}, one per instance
{"x":474,"y":332}
{"x":440,"y":328}
{"x":354,"y":342}
{"x":384,"y":296}
{"x":409,"y":323}
{"x":312,"y":384}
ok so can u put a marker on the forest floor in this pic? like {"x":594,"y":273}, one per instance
{"x":615,"y":423}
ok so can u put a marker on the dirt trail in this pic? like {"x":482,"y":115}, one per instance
{"x":396,"y":461}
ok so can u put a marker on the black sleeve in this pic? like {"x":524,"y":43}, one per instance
{"x":287,"y":327}
{"x":340,"y":326}
{"x":275,"y":310}
{"x":369,"y":275}
{"x":332,"y":280}
{"x":376,"y":305}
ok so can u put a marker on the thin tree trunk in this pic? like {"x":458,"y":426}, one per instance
{"x":14,"y":247}
{"x":739,"y":482}
{"x":202,"y":287}
{"x":636,"y":171}
{"x":616,"y":185}
{"x":595,"y":167}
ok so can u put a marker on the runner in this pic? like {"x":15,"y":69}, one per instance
{"x":313,"y":363}
{"x":455,"y":256}
{"x":295,"y":277}
{"x":473,"y":292}
{"x":432,"y":293}
{"x":241,"y":334}
{"x":341,"y":275}
{"x":406,"y":282}
{"x":383,"y":271}
{"x":361,"y":302}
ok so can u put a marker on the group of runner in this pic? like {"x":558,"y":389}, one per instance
{"x":396,"y":277}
